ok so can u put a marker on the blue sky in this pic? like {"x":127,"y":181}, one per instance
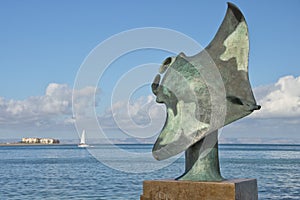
{"x":45,"y":42}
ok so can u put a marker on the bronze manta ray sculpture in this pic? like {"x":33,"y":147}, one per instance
{"x":202,"y":94}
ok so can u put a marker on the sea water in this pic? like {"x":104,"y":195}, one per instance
{"x":69,"y":172}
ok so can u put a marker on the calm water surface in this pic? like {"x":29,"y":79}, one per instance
{"x":68,"y":172}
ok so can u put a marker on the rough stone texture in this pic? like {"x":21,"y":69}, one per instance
{"x":236,"y":189}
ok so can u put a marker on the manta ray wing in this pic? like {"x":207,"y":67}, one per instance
{"x":230,"y":51}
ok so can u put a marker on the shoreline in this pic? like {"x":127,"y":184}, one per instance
{"x":33,"y":144}
{"x":72,"y":144}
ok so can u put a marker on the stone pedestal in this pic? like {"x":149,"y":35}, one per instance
{"x":236,"y":189}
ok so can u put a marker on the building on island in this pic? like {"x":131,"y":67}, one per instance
{"x":39,"y":141}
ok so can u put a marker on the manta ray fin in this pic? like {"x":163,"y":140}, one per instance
{"x":230,"y":51}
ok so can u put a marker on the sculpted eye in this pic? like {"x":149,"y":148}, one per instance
{"x":167,"y":61}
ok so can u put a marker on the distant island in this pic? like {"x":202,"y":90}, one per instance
{"x":39,"y":141}
{"x":32,"y":141}
{"x":149,"y":141}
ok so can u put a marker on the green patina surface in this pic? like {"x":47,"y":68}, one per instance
{"x":240,"y":51}
{"x":203,"y":93}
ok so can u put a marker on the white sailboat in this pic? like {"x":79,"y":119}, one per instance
{"x":82,"y":140}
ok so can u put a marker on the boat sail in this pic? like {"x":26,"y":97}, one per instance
{"x":82,"y":140}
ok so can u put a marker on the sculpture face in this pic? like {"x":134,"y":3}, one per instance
{"x":188,"y":102}
{"x":204,"y":92}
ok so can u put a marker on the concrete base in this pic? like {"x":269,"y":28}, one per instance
{"x":236,"y":189}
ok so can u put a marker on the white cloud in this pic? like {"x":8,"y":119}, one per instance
{"x":280,"y":100}
{"x":279,"y":116}
{"x":84,"y":100}
{"x":280,"y":105}
{"x":142,"y":117}
{"x":53,"y":109}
